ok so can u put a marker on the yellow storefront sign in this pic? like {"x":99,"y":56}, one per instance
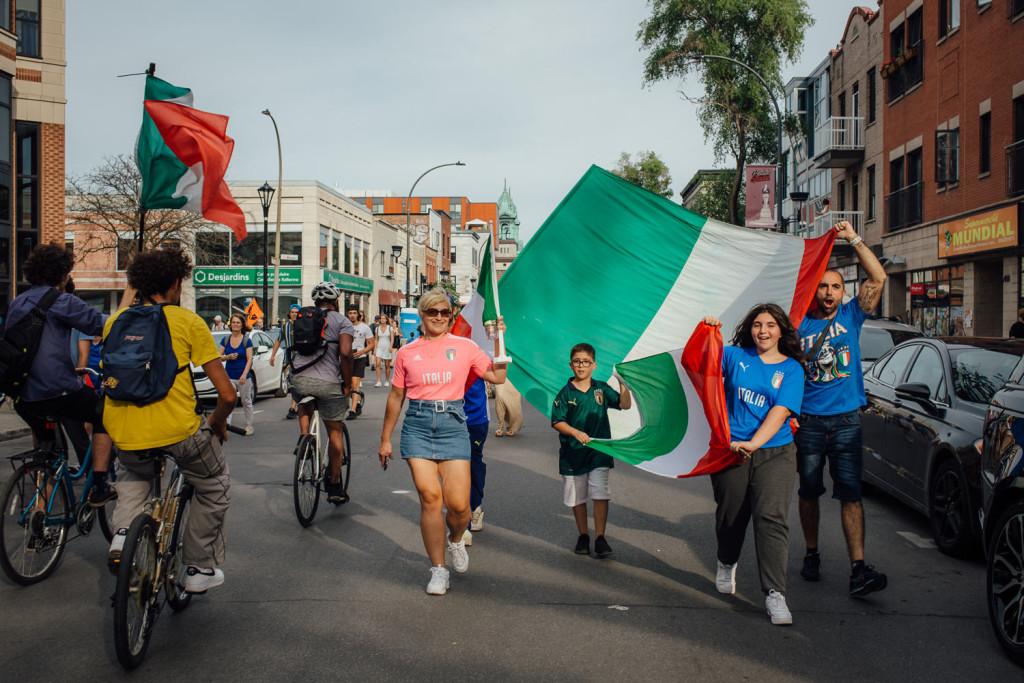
{"x":994,"y":229}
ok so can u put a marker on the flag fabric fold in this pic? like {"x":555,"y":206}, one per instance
{"x":183,"y":154}
{"x":632,"y":274}
{"x":482,"y":305}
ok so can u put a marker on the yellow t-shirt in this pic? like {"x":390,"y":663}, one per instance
{"x":173,"y":418}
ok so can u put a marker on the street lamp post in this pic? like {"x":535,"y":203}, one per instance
{"x":778,"y":124}
{"x":408,"y":235}
{"x":266,"y":193}
{"x":277,"y":238}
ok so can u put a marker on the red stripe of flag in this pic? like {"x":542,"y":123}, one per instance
{"x":812,"y":267}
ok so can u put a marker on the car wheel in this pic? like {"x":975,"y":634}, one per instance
{"x":1005,"y":582}
{"x":949,"y":511}
{"x":283,"y":388}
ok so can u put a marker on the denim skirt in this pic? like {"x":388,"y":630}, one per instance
{"x":435,"y":430}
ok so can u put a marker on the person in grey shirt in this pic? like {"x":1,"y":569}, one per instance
{"x":327,"y":376}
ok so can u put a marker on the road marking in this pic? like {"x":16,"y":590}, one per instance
{"x":401,"y":491}
{"x":621,"y":608}
{"x":919,"y":541}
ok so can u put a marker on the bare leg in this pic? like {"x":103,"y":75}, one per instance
{"x":357,"y":382}
{"x":335,"y":449}
{"x":428,"y":486}
{"x":456,"y":478}
{"x":853,"y":528}
{"x":305,"y":411}
{"x":101,"y":444}
{"x":600,"y":517}
{"x":809,"y":515}
{"x":580,"y":513}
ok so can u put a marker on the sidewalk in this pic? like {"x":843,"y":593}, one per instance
{"x":11,"y":426}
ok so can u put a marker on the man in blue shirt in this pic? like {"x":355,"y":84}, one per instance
{"x":830,"y":417}
{"x":477,"y":422}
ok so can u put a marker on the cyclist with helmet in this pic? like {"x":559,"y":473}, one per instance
{"x":327,"y":376}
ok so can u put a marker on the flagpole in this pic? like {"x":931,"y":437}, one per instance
{"x":501,"y":358}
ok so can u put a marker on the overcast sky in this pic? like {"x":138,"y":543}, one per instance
{"x":371,"y":94}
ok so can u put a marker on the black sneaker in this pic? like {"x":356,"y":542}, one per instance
{"x":583,"y":544}
{"x":335,"y":492}
{"x":99,"y":497}
{"x":866,"y":580}
{"x":352,"y":415}
{"x":811,"y":570}
{"x":601,"y":547}
{"x":292,"y":414}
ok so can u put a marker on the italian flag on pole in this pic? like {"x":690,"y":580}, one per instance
{"x":482,"y":305}
{"x":633,"y":274}
{"x":183,"y":154}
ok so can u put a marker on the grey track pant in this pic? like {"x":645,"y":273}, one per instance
{"x":202,"y":462}
{"x":760,"y":489}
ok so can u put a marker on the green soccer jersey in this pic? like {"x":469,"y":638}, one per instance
{"x":588,"y":412}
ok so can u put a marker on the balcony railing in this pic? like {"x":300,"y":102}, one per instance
{"x":1015,"y":169}
{"x":903,"y":207}
{"x":909,"y":74}
{"x":825,"y":221}
{"x":841,"y":133}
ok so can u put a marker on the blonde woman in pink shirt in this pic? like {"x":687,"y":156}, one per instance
{"x":433,"y":372}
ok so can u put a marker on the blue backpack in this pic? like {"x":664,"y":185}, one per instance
{"x":139,"y":364}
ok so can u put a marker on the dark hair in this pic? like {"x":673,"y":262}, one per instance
{"x":352,"y":307}
{"x":48,"y":264}
{"x":155,"y":272}
{"x":241,"y":319}
{"x":583,"y":348}
{"x":789,"y":342}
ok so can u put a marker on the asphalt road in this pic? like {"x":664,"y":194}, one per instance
{"x":344,"y":598}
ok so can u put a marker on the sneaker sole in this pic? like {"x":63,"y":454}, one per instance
{"x":602,"y":556}
{"x":581,"y":551}
{"x":731,"y":590}
{"x":437,"y":592}
{"x":872,"y":587}
{"x":781,"y":621}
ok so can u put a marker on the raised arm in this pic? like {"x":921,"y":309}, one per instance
{"x":871,"y":291}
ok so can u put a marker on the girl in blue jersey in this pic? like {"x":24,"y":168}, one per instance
{"x":764,"y":384}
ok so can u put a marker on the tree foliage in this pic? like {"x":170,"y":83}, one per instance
{"x":647,"y":171}
{"x":713,"y":200}
{"x":735,"y":111}
{"x":106,"y":200}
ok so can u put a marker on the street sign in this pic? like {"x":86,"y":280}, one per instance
{"x":242,"y":277}
{"x":349,"y":282}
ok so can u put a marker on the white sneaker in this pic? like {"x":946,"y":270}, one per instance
{"x":438,"y":584}
{"x":725,"y":582}
{"x":201,"y":580}
{"x":476,"y":519}
{"x":387,"y":384}
{"x":248,"y":430}
{"x":116,"y":548}
{"x":467,"y":538}
{"x":775,"y":603}
{"x":377,"y":384}
{"x":460,"y":558}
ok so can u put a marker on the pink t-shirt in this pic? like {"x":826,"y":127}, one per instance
{"x":439,"y":369}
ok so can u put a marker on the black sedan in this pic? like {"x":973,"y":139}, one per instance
{"x":926,"y":403}
{"x":1002,"y":489}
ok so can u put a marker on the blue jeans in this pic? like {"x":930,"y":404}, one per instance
{"x":836,"y":438}
{"x":478,"y":469}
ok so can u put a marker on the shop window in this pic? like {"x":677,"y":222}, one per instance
{"x":291,"y":249}
{"x":26,"y":13}
{"x":937,"y":301}
{"x":947,"y":149}
{"x":985,"y":143}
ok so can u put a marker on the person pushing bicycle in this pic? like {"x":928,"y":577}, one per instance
{"x":174,"y":425}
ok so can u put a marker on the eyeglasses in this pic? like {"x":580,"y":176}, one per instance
{"x":434,"y":312}
{"x":583,"y":363}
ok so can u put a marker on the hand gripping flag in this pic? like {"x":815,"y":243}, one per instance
{"x":183,"y":154}
{"x":633,"y":274}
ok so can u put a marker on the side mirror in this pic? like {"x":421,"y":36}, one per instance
{"x":919,"y":393}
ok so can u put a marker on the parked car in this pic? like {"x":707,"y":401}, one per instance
{"x":1002,"y":493}
{"x":926,"y":404}
{"x":878,"y":335}
{"x":267,"y":378}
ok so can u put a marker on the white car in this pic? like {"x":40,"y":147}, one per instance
{"x":267,"y":378}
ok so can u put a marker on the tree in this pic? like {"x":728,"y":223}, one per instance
{"x":106,"y":201}
{"x":735,"y":111}
{"x":714,"y":197}
{"x":648,"y":171}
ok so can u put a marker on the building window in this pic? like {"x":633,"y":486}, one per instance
{"x":426,"y":205}
{"x":1016,"y":8}
{"x":872,"y":95}
{"x":5,"y":14}
{"x":842,"y":195}
{"x":26,"y":13}
{"x":346,"y":264}
{"x":325,"y":246}
{"x":947,"y":148}
{"x":855,"y":192}
{"x":27,"y":182}
{"x":871,"y":193}
{"x":452,"y":259}
{"x":985,"y":143}
{"x":949,"y":17}
{"x":1015,"y":152}
{"x":213,"y":248}
{"x":906,"y":43}
{"x":904,"y":202}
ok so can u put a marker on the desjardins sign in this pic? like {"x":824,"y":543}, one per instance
{"x":243,"y":277}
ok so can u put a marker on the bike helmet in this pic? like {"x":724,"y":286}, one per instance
{"x":325,"y":291}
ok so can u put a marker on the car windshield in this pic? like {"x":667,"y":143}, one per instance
{"x":979,"y":373}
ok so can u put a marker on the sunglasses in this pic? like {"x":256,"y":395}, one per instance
{"x":434,"y":312}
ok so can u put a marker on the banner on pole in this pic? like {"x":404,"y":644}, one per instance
{"x":760,"y":211}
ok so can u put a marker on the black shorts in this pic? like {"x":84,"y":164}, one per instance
{"x":359,"y":366}
{"x":83,"y":405}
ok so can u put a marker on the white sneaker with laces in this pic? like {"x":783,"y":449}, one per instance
{"x":725,"y":582}
{"x":460,"y":558}
{"x":438,"y":584}
{"x":387,"y":384}
{"x":467,"y":538}
{"x":476,"y":520}
{"x":775,"y":603}
{"x":377,"y":384}
{"x":198,"y":580}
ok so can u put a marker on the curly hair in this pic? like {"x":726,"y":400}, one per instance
{"x":48,"y":264}
{"x":155,"y":272}
{"x":789,"y":342}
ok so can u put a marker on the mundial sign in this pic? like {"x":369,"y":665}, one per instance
{"x":242,"y":277}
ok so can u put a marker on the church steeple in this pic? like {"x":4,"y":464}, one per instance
{"x":508,"y":217}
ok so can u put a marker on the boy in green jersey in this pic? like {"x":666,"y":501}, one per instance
{"x":580,"y":413}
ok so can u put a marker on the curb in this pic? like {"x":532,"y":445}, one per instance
{"x":16,"y":433}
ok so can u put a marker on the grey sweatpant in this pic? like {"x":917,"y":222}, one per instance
{"x":202,"y":462}
{"x":760,"y":489}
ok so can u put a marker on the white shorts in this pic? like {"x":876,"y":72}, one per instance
{"x":583,"y":487}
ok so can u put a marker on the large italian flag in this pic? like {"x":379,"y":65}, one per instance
{"x":633,"y":274}
{"x":183,"y":154}
{"x":482,"y":304}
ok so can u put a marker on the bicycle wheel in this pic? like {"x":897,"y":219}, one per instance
{"x":346,"y":458}
{"x":105,"y":517}
{"x":305,"y":488}
{"x":174,"y":578}
{"x":135,"y":598}
{"x":31,"y":535}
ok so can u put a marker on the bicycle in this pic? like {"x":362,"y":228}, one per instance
{"x":39,"y":507}
{"x":311,"y":466}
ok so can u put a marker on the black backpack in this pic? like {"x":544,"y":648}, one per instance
{"x":308,"y":330}
{"x":139,"y":365}
{"x":19,"y":343}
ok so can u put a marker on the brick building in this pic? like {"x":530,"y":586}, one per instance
{"x":954,"y":165}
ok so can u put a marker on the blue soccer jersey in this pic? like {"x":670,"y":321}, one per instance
{"x":753,"y":388}
{"x":837,"y":384}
